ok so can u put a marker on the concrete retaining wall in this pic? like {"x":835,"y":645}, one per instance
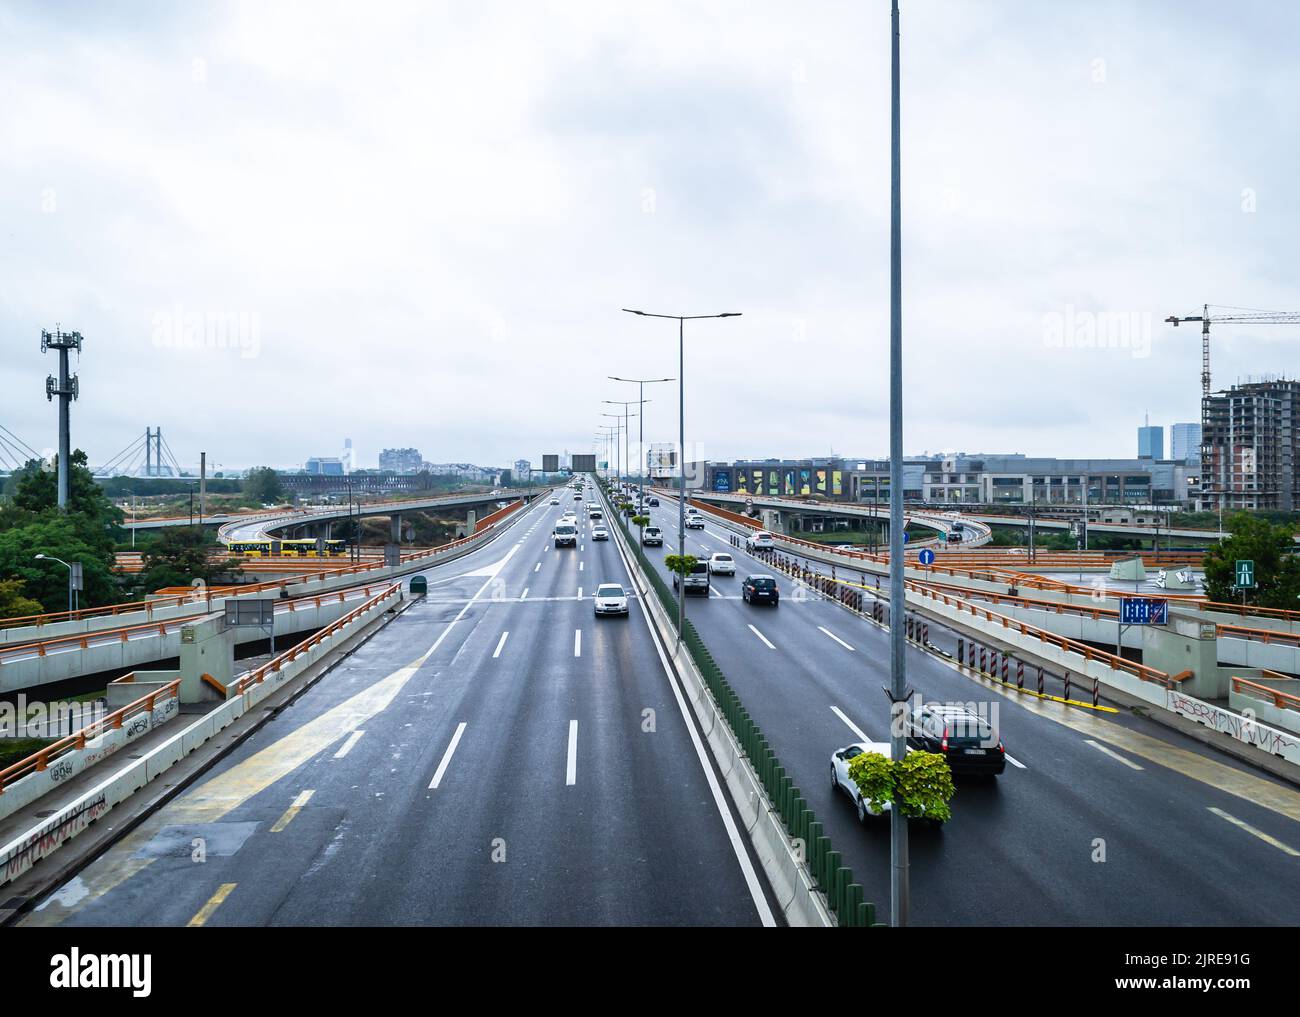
{"x":24,"y":851}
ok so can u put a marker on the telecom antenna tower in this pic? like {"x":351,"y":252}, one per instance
{"x":66,"y":388}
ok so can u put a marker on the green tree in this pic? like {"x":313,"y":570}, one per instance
{"x":263,"y":485}
{"x":920,"y":784}
{"x":1277,"y":568}
{"x":182,"y":554}
{"x":12,"y":602}
{"x":58,"y":536}
{"x":682,"y":564}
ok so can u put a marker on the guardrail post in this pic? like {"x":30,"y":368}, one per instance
{"x":925,"y":633}
{"x":1040,"y":680}
{"x":1067,"y":684}
{"x":1096,"y":690}
{"x":983,"y":661}
{"x":1020,"y":674}
{"x":1005,"y":666}
{"x":853,"y":905}
{"x":961,"y":651}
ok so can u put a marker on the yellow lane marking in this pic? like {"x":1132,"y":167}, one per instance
{"x":1258,"y":833}
{"x":292,"y":811}
{"x":213,"y":903}
{"x":1110,"y":752}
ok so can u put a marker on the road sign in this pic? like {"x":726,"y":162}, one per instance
{"x":1245,"y":573}
{"x":1143,"y":611}
{"x":75,"y":579}
{"x":926,"y":557}
{"x":250,"y":612}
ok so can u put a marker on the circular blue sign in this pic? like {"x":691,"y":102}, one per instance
{"x":926,"y":556}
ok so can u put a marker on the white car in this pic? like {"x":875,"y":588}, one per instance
{"x":840,"y":780}
{"x":759,"y":541}
{"x":599,"y":533}
{"x":722,"y":564}
{"x":610,"y":598}
{"x":555,"y":501}
{"x":694,"y":521}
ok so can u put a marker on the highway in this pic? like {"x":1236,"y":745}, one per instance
{"x":496,"y":755}
{"x":1189,"y":836}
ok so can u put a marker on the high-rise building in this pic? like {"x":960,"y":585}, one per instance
{"x":523,"y":470}
{"x":401,"y":460}
{"x":1185,"y":443}
{"x":1151,"y":442}
{"x":327,"y":466}
{"x":348,"y":463}
{"x":1251,"y":443}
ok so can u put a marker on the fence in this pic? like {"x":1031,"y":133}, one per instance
{"x":844,"y":896}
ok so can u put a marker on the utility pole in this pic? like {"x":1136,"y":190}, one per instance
{"x":67,"y":389}
{"x":203,"y":482}
{"x":899,"y":882}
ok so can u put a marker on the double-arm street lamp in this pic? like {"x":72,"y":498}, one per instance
{"x":641,"y":401}
{"x":620,"y":426}
{"x":681,"y":320}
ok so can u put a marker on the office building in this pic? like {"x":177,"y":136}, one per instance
{"x":401,"y":460}
{"x":1185,"y":443}
{"x":1151,"y":442}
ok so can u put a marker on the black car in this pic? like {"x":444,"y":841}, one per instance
{"x":653,"y":503}
{"x":760,"y":590}
{"x":967,"y":741}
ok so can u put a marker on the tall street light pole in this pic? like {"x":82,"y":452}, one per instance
{"x":50,"y":557}
{"x":899,"y":884}
{"x":641,"y":400}
{"x":681,"y":320}
{"x":606,"y":431}
{"x":627,"y":455}
{"x":618,"y":452}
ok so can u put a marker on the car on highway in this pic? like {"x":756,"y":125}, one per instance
{"x":968,"y":741}
{"x":697,"y":581}
{"x":654,"y":502}
{"x":841,"y":781}
{"x":694,"y":521}
{"x":760,"y":589}
{"x":652,"y":536}
{"x":760,"y":540}
{"x":722,"y":564}
{"x":565,"y":534}
{"x":610,"y":598}
{"x":577,"y":496}
{"x":599,"y":533}
{"x":555,"y":501}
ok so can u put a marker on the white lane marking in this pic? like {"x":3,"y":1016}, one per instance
{"x":580,"y":564}
{"x":762,"y":637}
{"x":524,"y":594}
{"x":446,"y":757}
{"x":346,"y":747}
{"x":579,"y":592}
{"x":1021,"y":766}
{"x":571,"y":765}
{"x":862,"y":735}
{"x":500,"y":645}
{"x":756,"y":893}
{"x":577,"y":642}
{"x":835,"y":637}
{"x":1112,"y":753}
{"x":582,"y":547}
{"x":537,"y":567}
{"x":1252,"y":830}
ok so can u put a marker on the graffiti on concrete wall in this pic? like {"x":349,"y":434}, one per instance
{"x":27,"y":852}
{"x":1242,"y":727}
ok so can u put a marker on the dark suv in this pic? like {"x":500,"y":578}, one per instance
{"x":967,"y":741}
{"x":760,"y":590}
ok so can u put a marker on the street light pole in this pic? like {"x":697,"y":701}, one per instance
{"x":50,"y":557}
{"x":681,"y":320}
{"x":899,"y":883}
{"x":640,"y":441}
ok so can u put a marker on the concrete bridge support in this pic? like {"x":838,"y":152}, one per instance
{"x":1187,"y":643}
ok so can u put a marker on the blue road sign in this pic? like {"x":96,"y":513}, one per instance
{"x":1143,"y":611}
{"x":926,"y":557}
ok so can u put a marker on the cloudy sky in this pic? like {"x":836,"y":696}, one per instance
{"x":279,"y":225}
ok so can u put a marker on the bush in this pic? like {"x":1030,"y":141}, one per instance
{"x":920,"y":784}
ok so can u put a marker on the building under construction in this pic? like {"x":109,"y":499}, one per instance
{"x":1250,"y":444}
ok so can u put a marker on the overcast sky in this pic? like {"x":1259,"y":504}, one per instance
{"x":282,"y":225}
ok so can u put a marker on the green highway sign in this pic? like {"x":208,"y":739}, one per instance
{"x":1245,"y":573}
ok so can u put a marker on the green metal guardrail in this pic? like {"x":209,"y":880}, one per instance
{"x":844,"y":896}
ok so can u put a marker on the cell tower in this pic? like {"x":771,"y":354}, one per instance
{"x":66,"y":388}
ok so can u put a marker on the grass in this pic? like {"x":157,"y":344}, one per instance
{"x":14,"y":749}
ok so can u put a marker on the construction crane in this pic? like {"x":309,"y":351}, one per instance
{"x":1250,"y":317}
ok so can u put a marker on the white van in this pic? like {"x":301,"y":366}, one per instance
{"x":565,"y":535}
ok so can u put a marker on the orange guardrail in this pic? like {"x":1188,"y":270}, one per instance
{"x":498,"y":515}
{"x":257,"y":675}
{"x":1282,"y":700}
{"x":41,"y":759}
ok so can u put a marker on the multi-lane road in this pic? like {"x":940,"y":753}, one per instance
{"x":1098,"y":819}
{"x":499,"y":755}
{"x":495,"y":755}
